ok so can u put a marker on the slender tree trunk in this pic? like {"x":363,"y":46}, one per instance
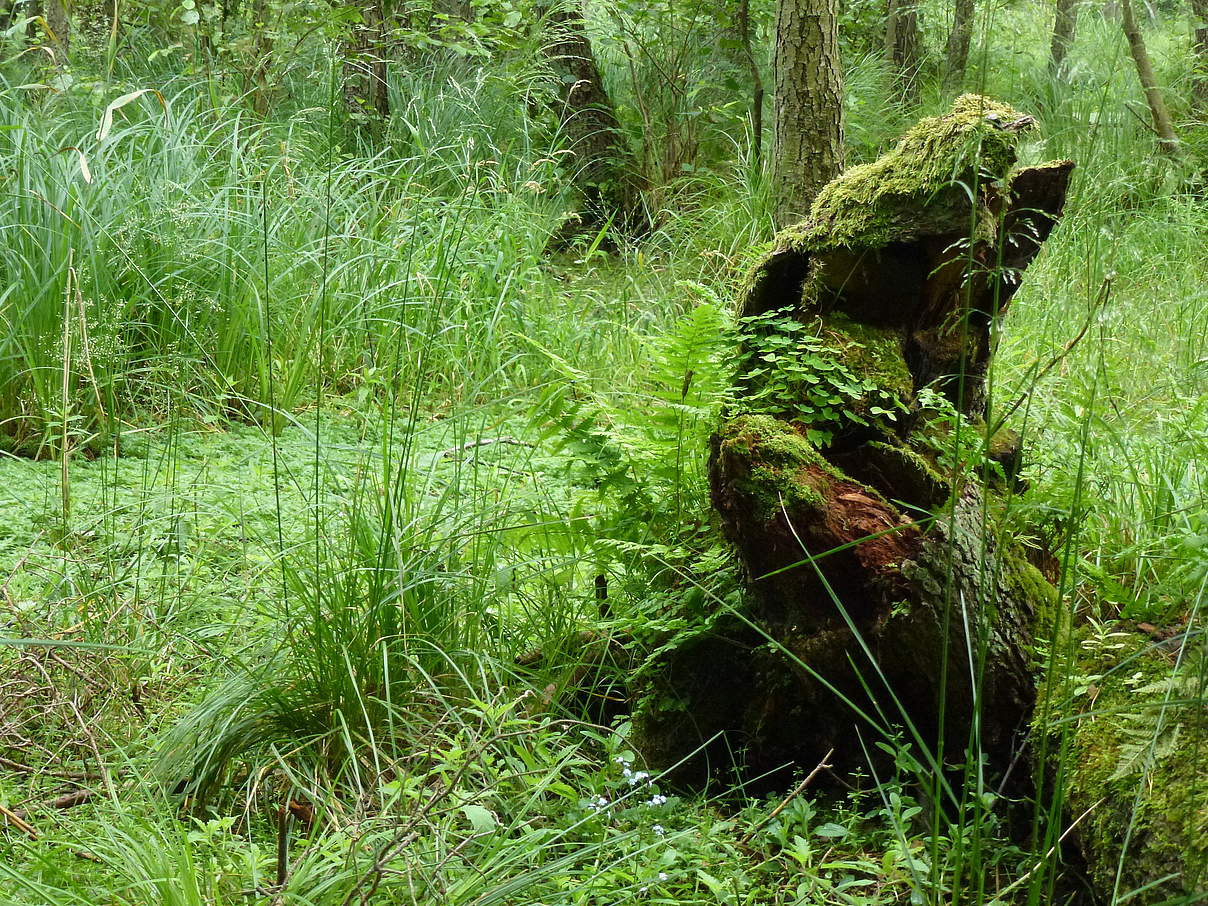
{"x":757,"y":90}
{"x":56,"y":14}
{"x":903,"y":47}
{"x":959,"y":40}
{"x":605,"y":169}
{"x":262,"y":57}
{"x":1065,"y":25}
{"x":809,"y":104}
{"x":365,"y":86}
{"x":1162,"y":123}
{"x":1200,"y":83}
{"x":459,"y":9}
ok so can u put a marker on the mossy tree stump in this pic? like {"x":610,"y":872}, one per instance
{"x":881,"y":599}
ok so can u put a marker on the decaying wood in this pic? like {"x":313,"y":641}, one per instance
{"x":883,"y":606}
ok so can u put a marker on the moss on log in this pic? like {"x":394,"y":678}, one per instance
{"x":1127,"y":743}
{"x":881,"y":598}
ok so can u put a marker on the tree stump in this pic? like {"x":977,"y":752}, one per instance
{"x":852,"y":475}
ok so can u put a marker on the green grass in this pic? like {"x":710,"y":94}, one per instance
{"x":347,"y":436}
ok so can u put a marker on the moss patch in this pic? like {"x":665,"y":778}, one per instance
{"x":777,"y":455}
{"x":871,"y":352}
{"x":1135,"y":760}
{"x":890,"y":198}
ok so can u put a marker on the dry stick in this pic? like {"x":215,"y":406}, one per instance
{"x":72,"y":799}
{"x":21,"y":768}
{"x":484,"y":442}
{"x":18,"y":822}
{"x":797,"y":791}
{"x":1053,"y":849}
{"x":96,"y":751}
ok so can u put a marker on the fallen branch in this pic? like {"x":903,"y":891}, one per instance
{"x":482,"y":442}
{"x":11,"y":817}
{"x":797,"y":791}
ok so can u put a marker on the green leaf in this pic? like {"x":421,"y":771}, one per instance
{"x":480,"y":818}
{"x":831,"y":830}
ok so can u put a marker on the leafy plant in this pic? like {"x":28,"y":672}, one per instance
{"x":795,"y":373}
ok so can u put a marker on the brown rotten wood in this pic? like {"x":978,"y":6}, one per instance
{"x":874,"y":578}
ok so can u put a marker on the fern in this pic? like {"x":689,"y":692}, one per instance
{"x":643,"y":454}
{"x":1150,"y":733}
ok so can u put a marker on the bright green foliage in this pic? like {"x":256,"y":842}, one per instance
{"x":840,"y":376}
{"x":411,"y":287}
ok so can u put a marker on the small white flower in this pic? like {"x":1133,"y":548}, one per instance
{"x":662,"y":876}
{"x":658,"y":830}
{"x":658,"y":799}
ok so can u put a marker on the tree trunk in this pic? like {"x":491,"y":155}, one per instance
{"x":366,"y":91}
{"x":959,"y":40}
{"x":757,"y":91}
{"x":605,"y":170}
{"x":809,"y":104}
{"x":58,"y":23}
{"x":1162,"y":124}
{"x":1065,"y":25}
{"x":1199,"y":9}
{"x":903,"y":47}
{"x":889,"y":599}
{"x":262,"y":58}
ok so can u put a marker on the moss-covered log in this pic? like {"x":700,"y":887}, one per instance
{"x":849,"y":475}
{"x":1126,"y":735}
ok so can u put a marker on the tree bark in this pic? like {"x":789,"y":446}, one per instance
{"x":56,"y":14}
{"x":875,"y":579}
{"x":605,"y":170}
{"x":903,"y":47}
{"x":1065,"y":26}
{"x":959,"y":40}
{"x":808,"y":150}
{"x":262,"y":58}
{"x":1199,"y":9}
{"x":1162,"y":123}
{"x":366,"y":90}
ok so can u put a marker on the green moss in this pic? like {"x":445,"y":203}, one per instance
{"x":926,"y":176}
{"x":870,"y":352}
{"x":1135,"y":761}
{"x":1026,"y":583}
{"x":775,"y":455}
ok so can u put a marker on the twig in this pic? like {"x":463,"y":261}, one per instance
{"x":18,"y":822}
{"x":72,"y":799}
{"x":1006,"y":890}
{"x":30,"y":769}
{"x":797,"y":791}
{"x":482,"y":442}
